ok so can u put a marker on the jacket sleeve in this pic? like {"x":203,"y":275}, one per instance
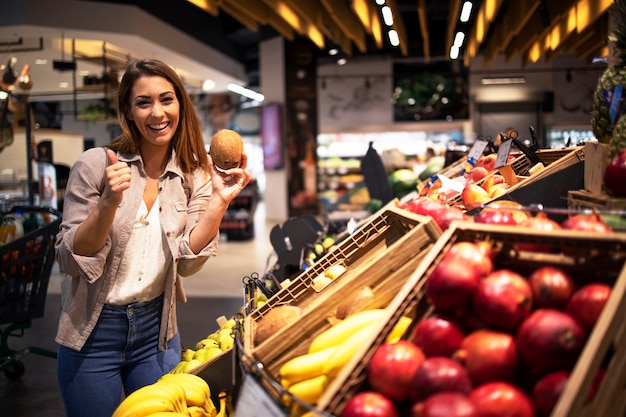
{"x":190,"y":263}
{"x":82,"y":193}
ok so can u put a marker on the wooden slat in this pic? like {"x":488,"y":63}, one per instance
{"x":346,"y":21}
{"x":454,"y":8}
{"x":529,"y":34}
{"x":422,"y":13}
{"x":599,"y":29}
{"x":241,"y":15}
{"x":398,"y":25}
{"x":209,"y":6}
{"x":282,"y":27}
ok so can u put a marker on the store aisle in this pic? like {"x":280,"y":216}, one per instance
{"x":216,"y":290}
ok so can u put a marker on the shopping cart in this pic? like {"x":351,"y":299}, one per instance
{"x":25,"y":267}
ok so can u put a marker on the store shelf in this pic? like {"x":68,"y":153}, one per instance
{"x":238,"y":221}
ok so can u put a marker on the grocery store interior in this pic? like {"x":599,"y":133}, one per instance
{"x":347,"y":110}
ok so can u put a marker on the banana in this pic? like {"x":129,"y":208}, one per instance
{"x":351,"y":324}
{"x":398,"y":330}
{"x":226,"y":408}
{"x":197,"y":411}
{"x":310,"y":390}
{"x":197,"y":391}
{"x":305,"y":366}
{"x":151,"y":399}
{"x":169,"y":414}
{"x":179,"y":368}
{"x":346,"y":350}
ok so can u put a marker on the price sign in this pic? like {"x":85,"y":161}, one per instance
{"x":503,"y":154}
{"x":476,"y":151}
{"x":255,"y":401}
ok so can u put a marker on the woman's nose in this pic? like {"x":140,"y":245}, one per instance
{"x":157,"y":110}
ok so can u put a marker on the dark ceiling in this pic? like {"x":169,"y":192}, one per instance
{"x":516,"y":25}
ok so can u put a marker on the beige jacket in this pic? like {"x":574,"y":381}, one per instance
{"x":88,"y":278}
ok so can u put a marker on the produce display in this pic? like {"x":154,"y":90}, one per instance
{"x":500,"y":323}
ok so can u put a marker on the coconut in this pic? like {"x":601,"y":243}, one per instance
{"x":226,"y":149}
{"x":274,"y":320}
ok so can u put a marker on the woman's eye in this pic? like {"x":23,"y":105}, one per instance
{"x":142,"y":103}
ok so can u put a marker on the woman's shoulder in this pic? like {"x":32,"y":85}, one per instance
{"x":94,"y":155}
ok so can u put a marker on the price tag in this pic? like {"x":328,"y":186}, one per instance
{"x":255,"y":401}
{"x":503,"y":154}
{"x":476,"y":151}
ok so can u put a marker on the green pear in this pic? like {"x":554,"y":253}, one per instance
{"x":209,"y":353}
{"x":187,"y":354}
{"x":207,"y":342}
{"x":230,"y":324}
{"x":192,"y":364}
{"x":227,"y":342}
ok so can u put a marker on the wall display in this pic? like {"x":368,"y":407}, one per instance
{"x":434,"y":91}
{"x":272,"y":132}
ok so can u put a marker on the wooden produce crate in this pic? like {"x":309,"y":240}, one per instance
{"x":583,"y":199}
{"x":382,"y":255}
{"x":586,"y":257}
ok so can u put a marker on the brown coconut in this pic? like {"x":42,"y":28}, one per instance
{"x":275,"y":320}
{"x":226,"y":149}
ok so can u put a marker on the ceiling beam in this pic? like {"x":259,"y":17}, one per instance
{"x":454,"y":8}
{"x":422,"y":13}
{"x":347,"y":22}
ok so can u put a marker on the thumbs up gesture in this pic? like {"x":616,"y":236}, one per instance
{"x":117,"y":179}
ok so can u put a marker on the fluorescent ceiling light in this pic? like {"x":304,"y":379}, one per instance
{"x":394,"y":39}
{"x":502,"y":80}
{"x":387,"y":15}
{"x":458,"y":39}
{"x":342,"y":61}
{"x":454,"y":52}
{"x":466,"y":11}
{"x":380,"y":2}
{"x":208,"y":85}
{"x":246,"y":92}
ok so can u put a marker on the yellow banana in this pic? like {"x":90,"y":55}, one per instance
{"x":151,"y":399}
{"x":398,"y":330}
{"x":346,"y":350}
{"x":179,"y":368}
{"x":196,"y":389}
{"x":310,"y":390}
{"x":197,"y":411}
{"x":168,"y":414}
{"x":226,"y":408}
{"x":351,"y":324}
{"x":305,"y":366}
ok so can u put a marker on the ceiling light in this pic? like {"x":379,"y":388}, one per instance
{"x":387,"y":15}
{"x":393,"y":37}
{"x":342,"y":61}
{"x":454,"y":52}
{"x":380,"y":2}
{"x":208,"y":85}
{"x":502,"y":80}
{"x":333,"y":51}
{"x":466,"y":11}
{"x":458,"y":39}
{"x":41,"y":61}
{"x":246,"y":92}
{"x":64,"y":84}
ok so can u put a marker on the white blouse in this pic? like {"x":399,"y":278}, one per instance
{"x":141,"y":275}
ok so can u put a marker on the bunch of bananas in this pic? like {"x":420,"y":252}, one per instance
{"x":173,"y":395}
{"x":307,"y":376}
{"x":208,"y":348}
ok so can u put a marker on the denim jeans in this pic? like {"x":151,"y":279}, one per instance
{"x":120,"y":356}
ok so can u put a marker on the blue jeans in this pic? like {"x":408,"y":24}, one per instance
{"x":120,"y":356}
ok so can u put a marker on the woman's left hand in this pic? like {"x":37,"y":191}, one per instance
{"x":228,"y":184}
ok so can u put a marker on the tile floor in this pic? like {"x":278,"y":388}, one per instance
{"x":216,"y":290}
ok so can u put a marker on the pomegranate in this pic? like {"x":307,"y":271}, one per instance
{"x":587,"y":223}
{"x":369,"y":404}
{"x":437,"y":336}
{"x":587,"y":303}
{"x":445,"y":216}
{"x":503,"y":299}
{"x":495,"y":216}
{"x":501,"y":399}
{"x":474,"y":254}
{"x":445,"y":404}
{"x":550,"y":339}
{"x":439,"y":374}
{"x":551,"y":287}
{"x":488,"y":356}
{"x":451,"y":285}
{"x":615,"y":175}
{"x":547,"y":391}
{"x":425,"y":206}
{"x":541,"y":222}
{"x":392,"y":368}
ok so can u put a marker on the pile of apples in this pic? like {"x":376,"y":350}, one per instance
{"x":498,"y":342}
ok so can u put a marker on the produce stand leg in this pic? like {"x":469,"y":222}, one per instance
{"x":10,"y":361}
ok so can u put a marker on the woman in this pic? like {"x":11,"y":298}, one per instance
{"x":137,"y":216}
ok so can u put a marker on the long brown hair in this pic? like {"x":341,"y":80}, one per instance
{"x":187,"y":140}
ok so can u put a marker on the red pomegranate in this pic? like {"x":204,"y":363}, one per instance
{"x":587,"y":223}
{"x":503,"y":299}
{"x":425,"y":206}
{"x":501,"y":399}
{"x":488,"y":356}
{"x":447,"y":215}
{"x":392,"y":368}
{"x":551,"y":287}
{"x":541,"y":222}
{"x":547,"y":391}
{"x":451,"y":285}
{"x":439,"y":374}
{"x":475,"y":255}
{"x":550,"y":339}
{"x":445,"y":404}
{"x":615,"y":175}
{"x":496,"y":216}
{"x":587,"y":303}
{"x":369,"y":404}
{"x":437,"y":336}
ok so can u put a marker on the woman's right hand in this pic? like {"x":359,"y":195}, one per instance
{"x":118,"y":180}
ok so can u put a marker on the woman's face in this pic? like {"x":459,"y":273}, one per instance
{"x":155,"y":109}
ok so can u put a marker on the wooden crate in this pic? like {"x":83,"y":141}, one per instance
{"x":596,"y":159}
{"x":583,"y":199}
{"x":383,"y":266}
{"x":580,"y":254}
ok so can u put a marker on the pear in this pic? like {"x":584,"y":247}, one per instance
{"x":207,"y":342}
{"x":187,"y":354}
{"x":206,"y":354}
{"x":227,"y":342}
{"x":192,"y":364}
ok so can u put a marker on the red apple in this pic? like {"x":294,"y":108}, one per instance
{"x":369,"y":404}
{"x":392,"y":368}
